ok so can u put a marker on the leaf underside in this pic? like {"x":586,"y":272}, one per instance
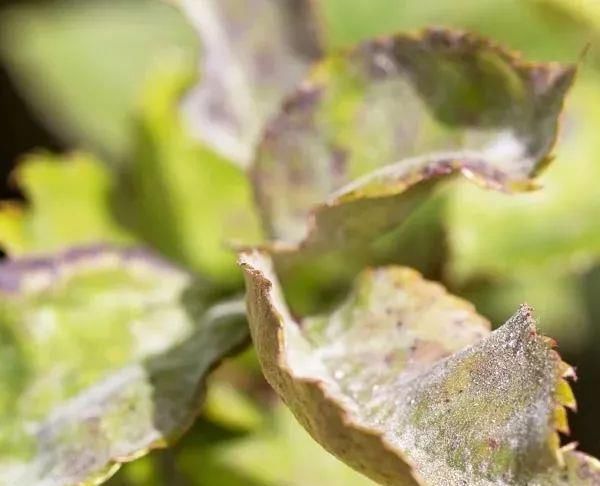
{"x":105,"y":352}
{"x":407,"y":384}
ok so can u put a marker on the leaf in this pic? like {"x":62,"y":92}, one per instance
{"x":182,"y":198}
{"x":105,"y":352}
{"x":407,"y":384}
{"x":368,"y":125}
{"x":80,"y":64}
{"x":247,"y":67}
{"x":69,"y":203}
{"x":156,"y":198}
{"x":365,"y":141}
{"x":228,"y":407}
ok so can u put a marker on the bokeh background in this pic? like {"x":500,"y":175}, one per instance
{"x":72,"y":77}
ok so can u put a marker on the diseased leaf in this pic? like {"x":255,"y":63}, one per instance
{"x":69,"y":203}
{"x":406,"y":384}
{"x":359,"y":147}
{"x":395,"y":111}
{"x":247,"y":67}
{"x":105,"y":352}
{"x":182,"y":198}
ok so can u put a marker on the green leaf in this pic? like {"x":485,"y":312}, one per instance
{"x":179,"y":196}
{"x":254,"y":53}
{"x":175,"y":194}
{"x":228,"y":407}
{"x":69,"y":203}
{"x":80,"y":64}
{"x":105,"y":352}
{"x":407,"y":384}
{"x":585,"y":12}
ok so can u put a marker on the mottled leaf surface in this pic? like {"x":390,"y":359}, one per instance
{"x":371,"y":123}
{"x":253,"y":53}
{"x":104,"y":356}
{"x":69,"y":202}
{"x":407,"y":384}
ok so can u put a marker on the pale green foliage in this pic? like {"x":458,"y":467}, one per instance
{"x":186,"y":201}
{"x":108,"y":350}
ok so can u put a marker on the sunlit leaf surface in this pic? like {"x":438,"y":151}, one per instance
{"x":104,"y":356}
{"x":407,"y":384}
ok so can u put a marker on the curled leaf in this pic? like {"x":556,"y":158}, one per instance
{"x":247,"y":67}
{"x":372,"y":123}
{"x":105,"y":352}
{"x":407,"y":384}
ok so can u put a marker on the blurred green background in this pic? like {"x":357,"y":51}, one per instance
{"x":73,"y":74}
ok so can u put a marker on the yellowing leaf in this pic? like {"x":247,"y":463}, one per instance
{"x":407,"y":384}
{"x":254,"y":52}
{"x":105,"y":352}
